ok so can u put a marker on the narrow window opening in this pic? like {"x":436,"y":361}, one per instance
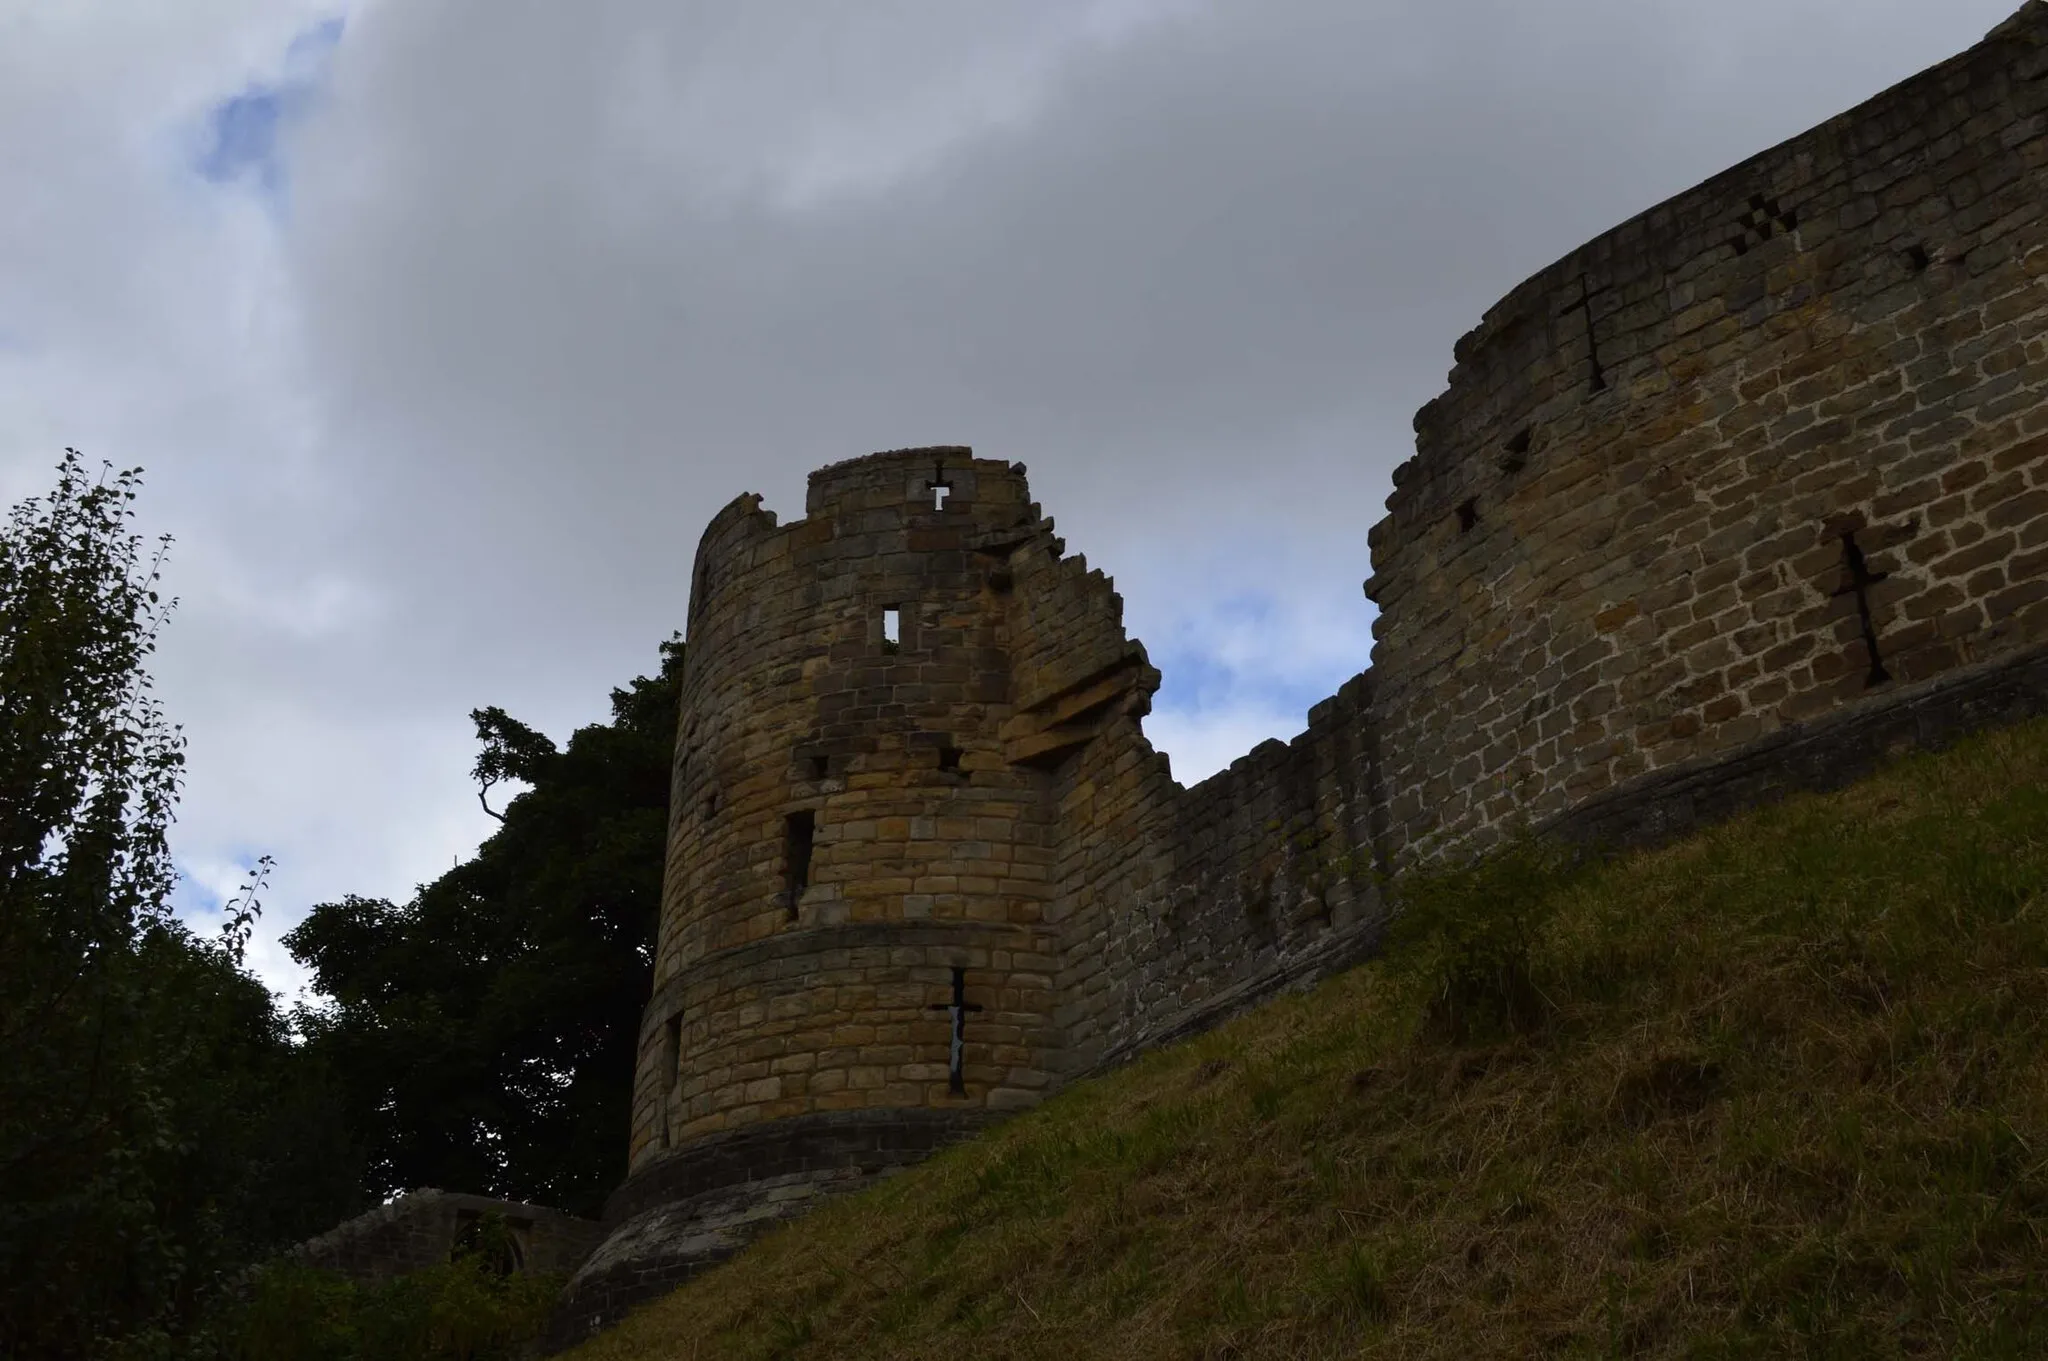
{"x":1917,"y":258}
{"x":1861,"y":579}
{"x":892,"y":629}
{"x":1515,"y":456}
{"x":957,"y":1010}
{"x":940,"y":491}
{"x":802,"y":832}
{"x":1468,"y":515}
{"x":711,"y":805}
{"x":671,"y":1067}
{"x":821,"y":766}
{"x":949,"y":759}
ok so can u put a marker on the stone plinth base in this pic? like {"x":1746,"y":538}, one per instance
{"x":700,"y":1205}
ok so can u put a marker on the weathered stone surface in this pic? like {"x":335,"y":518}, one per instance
{"x":1830,"y":352}
{"x":422,"y":1228}
{"x":1732,"y":500}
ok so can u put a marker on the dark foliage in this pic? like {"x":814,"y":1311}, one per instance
{"x":467,"y":1309}
{"x":485,"y":1031}
{"x":157,"y":1128}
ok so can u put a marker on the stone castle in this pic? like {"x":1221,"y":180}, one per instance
{"x":1739,"y":497}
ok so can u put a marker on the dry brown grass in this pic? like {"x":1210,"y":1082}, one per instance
{"x":1786,"y":1093}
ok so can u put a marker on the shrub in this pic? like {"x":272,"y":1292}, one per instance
{"x":1463,"y":938}
{"x":467,"y":1310}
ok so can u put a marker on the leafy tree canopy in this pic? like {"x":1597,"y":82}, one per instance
{"x":157,"y":1128}
{"x":485,"y":1031}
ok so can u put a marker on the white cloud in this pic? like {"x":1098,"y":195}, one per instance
{"x":1201,"y":744}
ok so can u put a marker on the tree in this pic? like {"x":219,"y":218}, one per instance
{"x":156,"y":1126}
{"x":485,"y":1031}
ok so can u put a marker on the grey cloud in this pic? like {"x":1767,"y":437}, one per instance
{"x":557,"y":281}
{"x":1224,"y":254}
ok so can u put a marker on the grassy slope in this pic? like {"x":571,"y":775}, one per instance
{"x":1789,"y":1097}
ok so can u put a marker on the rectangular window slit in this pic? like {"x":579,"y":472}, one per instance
{"x":802,"y":832}
{"x":670,"y":1061}
{"x":892,"y":629}
{"x":957,"y":1011}
{"x":940,"y":491}
{"x":949,"y":759}
{"x":820,"y":767}
{"x":1468,"y":515}
{"x":711,"y":805}
{"x":1515,"y":453}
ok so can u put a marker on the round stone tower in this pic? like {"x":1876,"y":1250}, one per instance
{"x":853,"y":964}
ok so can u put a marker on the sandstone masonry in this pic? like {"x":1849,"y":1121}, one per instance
{"x":1736,"y":498}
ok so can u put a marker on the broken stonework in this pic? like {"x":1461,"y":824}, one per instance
{"x":424,"y":1228}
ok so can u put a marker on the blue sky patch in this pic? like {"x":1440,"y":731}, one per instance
{"x":1198,"y":675}
{"x":242,"y":131}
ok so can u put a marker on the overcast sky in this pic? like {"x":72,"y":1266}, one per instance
{"x":442,"y":326}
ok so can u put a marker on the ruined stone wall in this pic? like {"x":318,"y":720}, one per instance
{"x":1774,"y":450}
{"x":1184,"y":905}
{"x":423,"y":1228}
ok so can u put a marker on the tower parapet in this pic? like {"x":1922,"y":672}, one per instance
{"x":846,"y":837}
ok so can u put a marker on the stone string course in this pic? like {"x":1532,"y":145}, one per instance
{"x":1734,"y":499}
